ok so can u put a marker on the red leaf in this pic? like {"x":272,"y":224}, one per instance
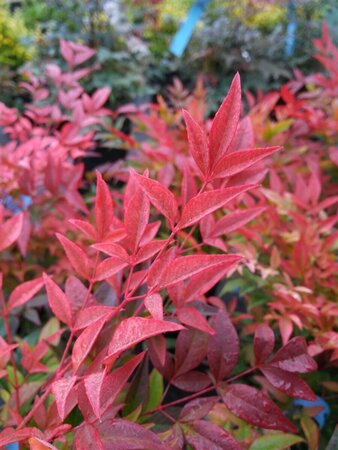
{"x":205,"y":435}
{"x":208,"y":202}
{"x":197,"y":409}
{"x":157,"y":346}
{"x":24,"y":292}
{"x":87,"y":438}
{"x":240,"y":160}
{"x":9,"y":435}
{"x":134,"y":330}
{"x":93,"y":386}
{"x":223,"y":347}
{"x":76,"y":256}
{"x":192,"y":318}
{"x":293,"y":357}
{"x":288,"y":383}
{"x":193,"y":381}
{"x":61,"y":390}
{"x":119,"y":434}
{"x":103,"y":205}
{"x":58,"y":301}
{"x":198,"y":143}
{"x":190,"y":350}
{"x":158,"y":267}
{"x":186,"y":266}
{"x":116,"y":380}
{"x":255,"y":407}
{"x":112,"y":249}
{"x":86,"y":228}
{"x":10,"y":231}
{"x":203,"y":282}
{"x":154,"y":305}
{"x":84,"y":343}
{"x":225,"y":123}
{"x":149,"y":250}
{"x":264,"y":342}
{"x":160,"y":197}
{"x":92,"y":314}
{"x":109,"y":267}
{"x":232,"y":221}
{"x":136,"y":217}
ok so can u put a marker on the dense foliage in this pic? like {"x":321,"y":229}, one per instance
{"x":115,"y":333}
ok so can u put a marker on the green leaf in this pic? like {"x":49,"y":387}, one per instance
{"x":155,"y":390}
{"x":277,"y":441}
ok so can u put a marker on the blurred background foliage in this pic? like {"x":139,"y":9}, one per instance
{"x":132,"y":38}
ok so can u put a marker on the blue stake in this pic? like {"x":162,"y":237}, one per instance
{"x":321,"y":417}
{"x":183,"y":35}
{"x":290,"y":37}
{"x":14,"y":446}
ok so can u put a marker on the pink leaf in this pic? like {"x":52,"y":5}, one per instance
{"x":197,"y":409}
{"x":157,"y":346}
{"x":93,"y":386}
{"x":225,"y":123}
{"x":264,"y":342}
{"x":85,"y":342}
{"x":76,"y":256}
{"x":202,"y":282}
{"x":9,"y":435}
{"x":186,"y":266}
{"x":209,"y":436}
{"x":149,"y":250}
{"x":10,"y":231}
{"x":154,"y":305}
{"x":190,"y":350}
{"x":238,"y":161}
{"x":116,"y":380}
{"x":223,"y":347}
{"x":192,"y":318}
{"x":100,"y":97}
{"x":109,"y":267}
{"x":87,"y":228}
{"x":158,"y":267}
{"x":285,"y":327}
{"x":293,"y":357}
{"x":58,"y":301}
{"x":134,"y":330}
{"x":92,"y":314}
{"x":61,"y":390}
{"x":198,"y":144}
{"x":87,"y":438}
{"x":255,"y":407}
{"x":119,"y":434}
{"x":136,"y":217}
{"x":113,"y":250}
{"x":288,"y":383}
{"x":103,"y":207}
{"x":193,"y":381}
{"x":160,"y":197}
{"x":234,"y":220}
{"x":208,"y":202}
{"x":24,"y":292}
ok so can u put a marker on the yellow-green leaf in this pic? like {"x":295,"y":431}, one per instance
{"x":155,"y":389}
{"x":278,"y":441}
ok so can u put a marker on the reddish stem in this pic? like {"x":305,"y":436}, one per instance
{"x":10,"y":341}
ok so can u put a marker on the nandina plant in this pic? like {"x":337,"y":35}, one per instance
{"x":40,"y":167}
{"x":139,"y":322}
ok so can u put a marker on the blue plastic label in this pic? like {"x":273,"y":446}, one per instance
{"x":183,"y":35}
